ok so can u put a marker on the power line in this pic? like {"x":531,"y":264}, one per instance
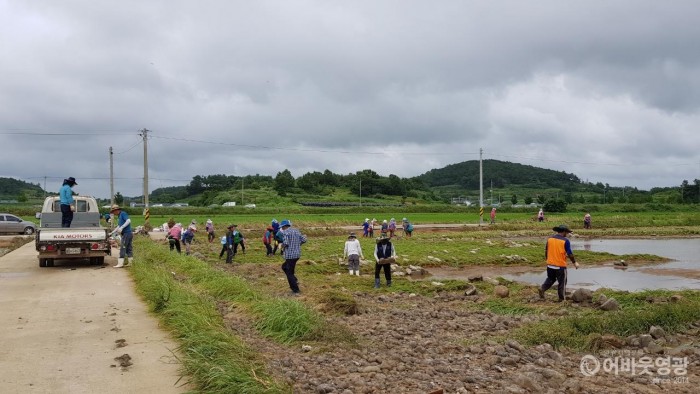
{"x":312,"y":150}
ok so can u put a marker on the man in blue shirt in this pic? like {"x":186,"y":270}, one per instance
{"x":291,"y":250}
{"x":124,"y":228}
{"x":66,"y":196}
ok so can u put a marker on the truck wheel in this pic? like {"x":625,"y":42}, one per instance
{"x":42,"y":263}
{"x":49,"y":262}
{"x":28,"y":231}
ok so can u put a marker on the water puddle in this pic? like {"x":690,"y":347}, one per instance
{"x":682,"y":273}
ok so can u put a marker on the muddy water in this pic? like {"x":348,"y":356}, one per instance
{"x":681,"y":273}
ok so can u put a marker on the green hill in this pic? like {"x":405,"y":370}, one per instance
{"x":14,"y":189}
{"x":499,"y":174}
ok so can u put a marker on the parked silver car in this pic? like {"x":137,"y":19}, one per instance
{"x":14,"y":224}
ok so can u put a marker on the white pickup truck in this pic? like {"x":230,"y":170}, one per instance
{"x":85,"y":239}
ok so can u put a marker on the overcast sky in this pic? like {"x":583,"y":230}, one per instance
{"x":607,"y":90}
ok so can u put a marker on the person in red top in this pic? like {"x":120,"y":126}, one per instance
{"x":557,"y":249}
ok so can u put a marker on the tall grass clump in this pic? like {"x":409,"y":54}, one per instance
{"x":287,"y":320}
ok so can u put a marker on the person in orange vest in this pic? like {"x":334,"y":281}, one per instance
{"x":556,"y":250}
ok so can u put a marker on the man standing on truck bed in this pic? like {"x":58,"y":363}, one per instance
{"x":124,"y":228}
{"x":66,"y":195}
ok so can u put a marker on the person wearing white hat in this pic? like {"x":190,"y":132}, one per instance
{"x":353,"y":252}
{"x":365,"y":228}
{"x":209,"y":228}
{"x":124,"y":228}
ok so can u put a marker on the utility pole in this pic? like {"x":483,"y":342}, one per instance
{"x":111,"y":176}
{"x":146,"y":212}
{"x":481,"y":187}
{"x":242,"y":192}
{"x":360,"y":191}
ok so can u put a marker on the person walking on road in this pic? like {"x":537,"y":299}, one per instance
{"x":67,"y":202}
{"x":291,"y":250}
{"x":556,"y":250}
{"x":384,"y":255}
{"x":126,"y":251}
{"x":353,"y":252}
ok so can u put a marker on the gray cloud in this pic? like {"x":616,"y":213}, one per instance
{"x":608,"y":90}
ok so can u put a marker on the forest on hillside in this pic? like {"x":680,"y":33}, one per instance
{"x":14,"y":189}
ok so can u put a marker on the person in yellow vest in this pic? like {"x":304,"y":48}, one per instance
{"x":557,"y":249}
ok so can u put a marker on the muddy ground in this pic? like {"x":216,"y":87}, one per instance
{"x":408,"y":343}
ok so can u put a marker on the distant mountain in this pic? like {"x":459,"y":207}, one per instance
{"x":502,"y":173}
{"x":13,"y":189}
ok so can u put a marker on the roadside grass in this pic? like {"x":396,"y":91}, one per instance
{"x":184,"y":292}
{"x":580,"y":331}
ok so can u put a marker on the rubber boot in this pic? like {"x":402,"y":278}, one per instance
{"x":120,"y":263}
{"x":351,"y":272}
{"x":127,"y":261}
{"x":357,"y":272}
{"x":388,"y":283}
{"x":376,"y":283}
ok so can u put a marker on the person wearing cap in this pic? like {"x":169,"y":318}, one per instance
{"x":384,"y":228}
{"x":384,"y":255}
{"x":126,"y":249}
{"x":209,"y":228}
{"x":353,"y":252}
{"x":291,"y":250}
{"x":66,"y":197}
{"x":556,"y":250}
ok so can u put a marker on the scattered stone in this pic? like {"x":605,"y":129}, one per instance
{"x":475,"y":278}
{"x":324,"y":388}
{"x":527,"y":383}
{"x":120,"y":342}
{"x":621,"y":263}
{"x":610,"y":305}
{"x":681,"y":351}
{"x":305,"y":348}
{"x":657,"y":332}
{"x":655,"y":348}
{"x":581,"y":295}
{"x":513,"y":344}
{"x":437,"y":283}
{"x":676,"y":298}
{"x":492,"y":281}
{"x":645,"y":340}
{"x":370,"y":368}
{"x":501,"y":291}
{"x":601,"y":299}
{"x":610,"y":340}
{"x":470,"y":291}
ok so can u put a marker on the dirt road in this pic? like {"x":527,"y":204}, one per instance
{"x":63,"y":327}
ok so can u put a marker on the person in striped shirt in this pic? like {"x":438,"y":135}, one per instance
{"x":291,"y":250}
